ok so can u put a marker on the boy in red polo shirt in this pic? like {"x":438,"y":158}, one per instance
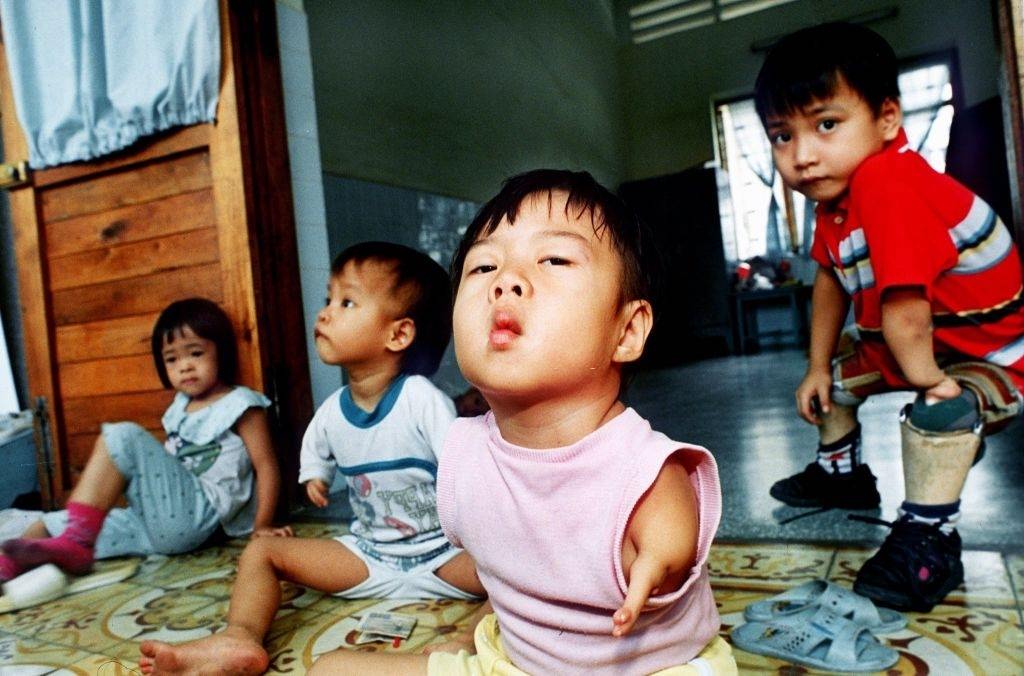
{"x":935,"y":283}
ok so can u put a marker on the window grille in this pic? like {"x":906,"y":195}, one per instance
{"x":653,"y":19}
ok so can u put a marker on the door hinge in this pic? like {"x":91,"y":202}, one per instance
{"x":13,"y":175}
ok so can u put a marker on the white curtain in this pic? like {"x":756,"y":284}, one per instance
{"x":90,"y":77}
{"x":8,"y":394}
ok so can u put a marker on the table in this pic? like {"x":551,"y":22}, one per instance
{"x":744,"y":306}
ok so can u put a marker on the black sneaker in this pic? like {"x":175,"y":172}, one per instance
{"x":814,"y":487}
{"x":914,"y":569}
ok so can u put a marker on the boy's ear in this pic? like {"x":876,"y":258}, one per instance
{"x":890,"y":118}
{"x":639,"y":318}
{"x":400,"y":335}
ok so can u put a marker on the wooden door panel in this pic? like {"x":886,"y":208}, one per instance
{"x":132,"y":223}
{"x":128,"y":185}
{"x":145,"y":408}
{"x":108,"y":376}
{"x":136,"y":296}
{"x":137,"y":259}
{"x":103,"y":246}
{"x":108,"y":337}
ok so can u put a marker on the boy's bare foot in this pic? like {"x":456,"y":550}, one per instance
{"x":231,"y":652}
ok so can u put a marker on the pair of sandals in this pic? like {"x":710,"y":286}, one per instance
{"x":822,"y":625}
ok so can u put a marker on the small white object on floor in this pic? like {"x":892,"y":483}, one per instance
{"x":47,"y":583}
{"x":39,"y":585}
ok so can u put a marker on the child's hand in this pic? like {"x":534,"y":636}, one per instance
{"x":271,"y":532}
{"x":947,"y":388}
{"x":317,"y":491}
{"x":816,"y":383}
{"x":645,"y":575}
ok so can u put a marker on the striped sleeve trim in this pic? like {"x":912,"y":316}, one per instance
{"x":981,"y":240}
{"x":989,"y":315}
{"x":1008,"y":354}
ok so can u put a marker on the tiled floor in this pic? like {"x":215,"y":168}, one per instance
{"x":740,"y":408}
{"x":977,"y":631}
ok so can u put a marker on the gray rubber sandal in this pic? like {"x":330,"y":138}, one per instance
{"x":822,"y":594}
{"x":819,"y":639}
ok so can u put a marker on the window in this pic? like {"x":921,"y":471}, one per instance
{"x":653,"y":19}
{"x":760,"y":217}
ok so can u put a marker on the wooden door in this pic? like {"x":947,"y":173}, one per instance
{"x":103,"y":246}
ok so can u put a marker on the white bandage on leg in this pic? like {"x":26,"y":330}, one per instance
{"x":935,"y":464}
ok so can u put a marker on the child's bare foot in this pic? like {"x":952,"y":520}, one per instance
{"x":461,"y":641}
{"x":233,"y":651}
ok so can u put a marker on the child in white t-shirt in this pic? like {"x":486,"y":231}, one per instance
{"x":386,"y":321}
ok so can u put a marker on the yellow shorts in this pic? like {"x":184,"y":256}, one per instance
{"x":716,"y":658}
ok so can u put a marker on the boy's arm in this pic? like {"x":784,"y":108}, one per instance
{"x":829,"y":305}
{"x":316,"y":462}
{"x":907,"y":328}
{"x":663,"y":531}
{"x":252,"y":428}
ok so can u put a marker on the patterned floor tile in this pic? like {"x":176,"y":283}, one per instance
{"x":302,"y":637}
{"x":291,"y":641}
{"x":19,"y":655}
{"x":318,"y":530}
{"x":986,"y":581}
{"x":108,"y":665}
{"x":181,"y":598}
{"x":332,"y":605}
{"x":164,"y":571}
{"x":165,"y":615}
{"x":80,"y":621}
{"x":1015,"y":564}
{"x":847,"y":562}
{"x":949,"y":641}
{"x":767,"y":566}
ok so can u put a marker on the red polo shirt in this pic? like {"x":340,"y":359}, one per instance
{"x":902,"y":223}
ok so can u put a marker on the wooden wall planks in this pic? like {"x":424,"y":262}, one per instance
{"x":133,"y":223}
{"x":103,"y":246}
{"x":108,"y":337}
{"x":134,"y":296}
{"x":132,"y":185}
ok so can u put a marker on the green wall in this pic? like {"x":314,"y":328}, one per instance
{"x":452,"y":97}
{"x":668,"y":84}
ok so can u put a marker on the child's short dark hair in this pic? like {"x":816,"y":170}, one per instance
{"x":810,"y":64}
{"x":426,"y":295}
{"x":630,"y":237}
{"x":207,"y":320}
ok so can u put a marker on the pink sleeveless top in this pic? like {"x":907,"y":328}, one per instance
{"x":545,"y":528}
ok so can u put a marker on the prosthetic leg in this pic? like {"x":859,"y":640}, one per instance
{"x":919,"y":562}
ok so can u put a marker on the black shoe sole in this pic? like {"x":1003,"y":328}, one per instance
{"x":892,"y":598}
{"x":794,"y":501}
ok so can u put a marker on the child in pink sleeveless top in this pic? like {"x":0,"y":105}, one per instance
{"x":590,"y":530}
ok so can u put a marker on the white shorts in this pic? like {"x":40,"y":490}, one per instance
{"x":413,"y":582}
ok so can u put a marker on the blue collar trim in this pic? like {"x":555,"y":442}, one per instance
{"x":360,"y":418}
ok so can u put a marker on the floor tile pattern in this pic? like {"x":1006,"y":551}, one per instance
{"x":977,"y":631}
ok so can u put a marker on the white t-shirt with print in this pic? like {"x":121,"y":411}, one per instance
{"x":389,"y":459}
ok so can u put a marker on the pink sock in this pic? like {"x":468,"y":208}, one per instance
{"x":8,"y":568}
{"x":71,"y":550}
